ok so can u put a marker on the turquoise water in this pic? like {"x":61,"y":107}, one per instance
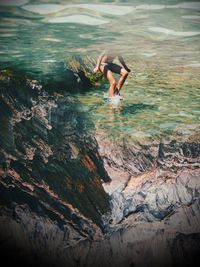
{"x":160,"y":41}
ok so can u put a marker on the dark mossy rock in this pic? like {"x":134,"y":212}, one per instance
{"x":74,"y":75}
{"x":83,"y":67}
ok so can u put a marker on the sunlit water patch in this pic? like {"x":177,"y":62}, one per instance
{"x":192,"y":17}
{"x":189,"y":5}
{"x":7,"y":35}
{"x":49,"y":39}
{"x":172,"y":32}
{"x":44,"y":8}
{"x":80,"y":19}
{"x":184,"y":5}
{"x":108,"y":9}
{"x":151,"y":7}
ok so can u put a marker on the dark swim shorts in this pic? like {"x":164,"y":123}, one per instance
{"x":112,"y":66}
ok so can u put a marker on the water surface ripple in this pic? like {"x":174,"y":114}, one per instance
{"x":159,"y":41}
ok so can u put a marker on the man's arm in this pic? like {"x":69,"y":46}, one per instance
{"x":121,"y":60}
{"x":96,"y":69}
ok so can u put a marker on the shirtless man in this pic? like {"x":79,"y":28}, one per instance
{"x":107,"y":67}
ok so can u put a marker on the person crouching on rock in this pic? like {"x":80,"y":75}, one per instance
{"x":107,"y":67}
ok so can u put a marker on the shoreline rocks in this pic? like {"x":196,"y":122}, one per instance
{"x":50,"y":174}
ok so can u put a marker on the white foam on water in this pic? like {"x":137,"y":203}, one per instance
{"x":186,"y":5}
{"x":13,"y":2}
{"x":108,"y":9}
{"x":148,"y":54}
{"x":49,"y":60}
{"x":86,"y":36}
{"x":115,"y":97}
{"x":80,"y":19}
{"x":6,"y":30}
{"x":7,"y":35}
{"x":15,"y":22}
{"x":195,"y":65}
{"x":115,"y":101}
{"x":189,"y":5}
{"x":191,"y":17}
{"x":51,"y":40}
{"x":172,"y":32}
{"x":20,"y":55}
{"x":44,"y":9}
{"x":151,"y":7}
{"x":14,"y":52}
{"x":141,"y":16}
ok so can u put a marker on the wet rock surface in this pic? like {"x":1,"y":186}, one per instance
{"x":155,"y":218}
{"x":170,"y":182}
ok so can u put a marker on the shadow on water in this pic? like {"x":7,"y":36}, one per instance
{"x":135,"y":108}
{"x":121,"y":110}
{"x":117,"y":116}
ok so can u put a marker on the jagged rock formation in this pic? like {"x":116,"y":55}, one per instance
{"x":155,"y":218}
{"x":168,"y":181}
{"x":50,"y":169}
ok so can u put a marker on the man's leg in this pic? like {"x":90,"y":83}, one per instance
{"x":108,"y":74}
{"x":112,"y":82}
{"x":124,"y":75}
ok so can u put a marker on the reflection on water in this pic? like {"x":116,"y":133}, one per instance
{"x":160,"y":42}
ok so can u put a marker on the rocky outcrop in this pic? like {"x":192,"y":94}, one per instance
{"x":74,"y":75}
{"x":155,"y":217}
{"x":51,"y":172}
{"x":170,"y":180}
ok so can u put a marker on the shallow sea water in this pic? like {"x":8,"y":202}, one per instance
{"x":160,"y":42}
